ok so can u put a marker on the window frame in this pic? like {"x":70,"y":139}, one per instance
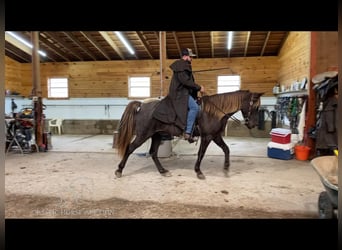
{"x":139,"y":87}
{"x":49,"y":87}
{"x":234,"y":85}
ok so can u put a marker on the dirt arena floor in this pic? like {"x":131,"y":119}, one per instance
{"x":62,"y":183}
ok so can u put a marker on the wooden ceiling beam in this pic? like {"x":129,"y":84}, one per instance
{"x":112,"y":44}
{"x":96,"y":44}
{"x":78,"y":43}
{"x":177,"y":42}
{"x":157,"y":35}
{"x":212,"y":45}
{"x":64,"y":44}
{"x":143,"y":41}
{"x":247,"y":43}
{"x":265,"y":43}
{"x":53,"y":47}
{"x":123,"y":35}
{"x":18,"y":44}
{"x":21,"y":46}
{"x":282,"y":42}
{"x":195,"y":43}
{"x":27,"y":59}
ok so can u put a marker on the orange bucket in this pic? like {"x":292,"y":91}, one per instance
{"x":302,"y":152}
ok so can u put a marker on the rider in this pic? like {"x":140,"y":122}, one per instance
{"x":183,"y":92}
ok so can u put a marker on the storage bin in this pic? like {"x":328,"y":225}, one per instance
{"x":302,"y":152}
{"x":281,"y":135}
{"x":280,"y":150}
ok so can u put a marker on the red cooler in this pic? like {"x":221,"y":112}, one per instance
{"x":281,"y":135}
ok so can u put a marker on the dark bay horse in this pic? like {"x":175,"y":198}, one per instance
{"x":137,"y":125}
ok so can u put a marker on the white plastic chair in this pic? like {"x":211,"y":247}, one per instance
{"x":56,"y":123}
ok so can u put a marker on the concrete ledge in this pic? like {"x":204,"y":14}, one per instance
{"x":89,"y":127}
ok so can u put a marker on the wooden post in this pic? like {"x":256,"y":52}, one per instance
{"x":36,"y":91}
{"x":162,"y":49}
{"x":311,"y":114}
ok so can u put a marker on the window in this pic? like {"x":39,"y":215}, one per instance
{"x":58,"y":87}
{"x":139,"y":86}
{"x":228,"y":83}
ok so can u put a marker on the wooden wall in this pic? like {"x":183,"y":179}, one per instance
{"x":109,"y":78}
{"x":294,"y":58}
{"x":327,"y":51}
{"x":13,"y":75}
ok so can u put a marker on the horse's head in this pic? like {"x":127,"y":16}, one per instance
{"x":250,"y":109}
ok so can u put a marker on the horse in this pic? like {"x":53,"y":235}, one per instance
{"x":138,"y":125}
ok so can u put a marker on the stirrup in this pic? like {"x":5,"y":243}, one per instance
{"x":189,"y":138}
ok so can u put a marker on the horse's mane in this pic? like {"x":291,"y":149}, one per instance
{"x":218,"y":105}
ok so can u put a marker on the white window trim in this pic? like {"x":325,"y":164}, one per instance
{"x":232,"y":83}
{"x":146,"y":87}
{"x":49,"y":94}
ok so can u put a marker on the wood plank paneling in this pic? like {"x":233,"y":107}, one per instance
{"x":110,"y":78}
{"x":294,"y":58}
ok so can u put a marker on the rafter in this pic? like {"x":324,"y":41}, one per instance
{"x":195,"y":43}
{"x":265,"y":43}
{"x":96,"y":44}
{"x":53,"y":47}
{"x":177,"y":42}
{"x":143,"y":41}
{"x":112,"y":44}
{"x":20,"y":46}
{"x":212,"y":43}
{"x":17,"y":55}
{"x":247,"y":42}
{"x":78,"y":43}
{"x":64,"y":44}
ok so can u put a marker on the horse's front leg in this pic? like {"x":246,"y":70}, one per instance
{"x":156,"y":140}
{"x":205,"y":140}
{"x":220,"y":142}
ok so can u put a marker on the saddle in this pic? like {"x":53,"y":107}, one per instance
{"x":324,"y":76}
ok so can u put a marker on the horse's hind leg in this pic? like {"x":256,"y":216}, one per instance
{"x":220,"y":142}
{"x":129,"y":150}
{"x":156,"y":140}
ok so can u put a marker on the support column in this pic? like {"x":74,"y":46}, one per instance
{"x":162,"y":49}
{"x":37,"y":92}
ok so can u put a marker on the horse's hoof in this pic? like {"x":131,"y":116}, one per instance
{"x":200,"y":176}
{"x":166,"y":174}
{"x":118,"y":174}
{"x":226,"y":172}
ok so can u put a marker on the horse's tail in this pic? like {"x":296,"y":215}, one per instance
{"x":126,"y":127}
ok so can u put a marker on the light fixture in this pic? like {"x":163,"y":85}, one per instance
{"x":230,"y":38}
{"x":124,"y":41}
{"x":24,"y":42}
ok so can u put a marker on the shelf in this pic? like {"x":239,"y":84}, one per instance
{"x":14,"y":96}
{"x":292,"y":93}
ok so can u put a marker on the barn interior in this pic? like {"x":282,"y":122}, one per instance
{"x":297,"y":72}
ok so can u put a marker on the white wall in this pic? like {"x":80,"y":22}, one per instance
{"x":75,"y":108}
{"x":94,"y":108}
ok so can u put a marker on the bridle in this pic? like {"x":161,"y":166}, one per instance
{"x":249,"y":109}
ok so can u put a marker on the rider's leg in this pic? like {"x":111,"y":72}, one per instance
{"x":192,"y":114}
